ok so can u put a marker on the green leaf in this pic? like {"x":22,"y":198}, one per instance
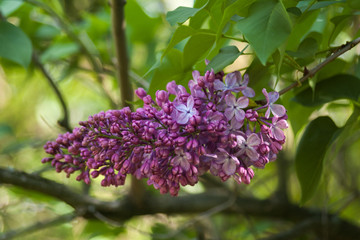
{"x":15,"y":45}
{"x":169,"y":69}
{"x":180,"y":34}
{"x":7,"y":7}
{"x":226,"y":56}
{"x":196,"y":48}
{"x":310,"y":153}
{"x":140,"y":27}
{"x":230,"y":11}
{"x":266,"y":28}
{"x":59,"y":51}
{"x":307,"y":49}
{"x":341,"y":86}
{"x":300,"y":29}
{"x":303,"y":5}
{"x":181,"y":14}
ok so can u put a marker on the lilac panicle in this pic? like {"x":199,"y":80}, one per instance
{"x":171,"y":143}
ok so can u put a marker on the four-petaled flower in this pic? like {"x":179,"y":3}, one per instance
{"x":229,"y":162}
{"x":249,"y":146}
{"x":234,"y":108}
{"x":276,"y":109}
{"x":181,"y":159}
{"x":231,"y":84}
{"x":275,"y":128}
{"x":184,"y":113}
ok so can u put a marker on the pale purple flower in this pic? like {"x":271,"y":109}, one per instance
{"x":247,"y":91}
{"x":276,"y":128}
{"x":181,"y":159}
{"x":249,"y":146}
{"x":276,"y":109}
{"x":234,"y":107}
{"x":230,"y":84}
{"x":185,"y":112}
{"x":228,"y":162}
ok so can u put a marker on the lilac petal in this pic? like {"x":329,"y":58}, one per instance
{"x":238,"y":77}
{"x":184,"y":164}
{"x":230,"y":99}
{"x":229,"y":167}
{"x":252,"y":154}
{"x":246,"y":80}
{"x":282,"y":124}
{"x":253,"y":140}
{"x":230,"y":80}
{"x":239,"y":115}
{"x":171,"y":87}
{"x":219,"y":85}
{"x":278,"y":134}
{"x":182,"y":118}
{"x":273,"y":97}
{"x":267,"y":114}
{"x":248,"y":92}
{"x":240,"y":139}
{"x":265,"y":94}
{"x":181,"y":108}
{"x":234,"y":124}
{"x":278,"y":110}
{"x":242,"y":102}
{"x":196,"y":75}
{"x":229,"y":113}
{"x":190,"y":102}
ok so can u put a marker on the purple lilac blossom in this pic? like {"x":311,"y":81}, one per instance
{"x":171,"y":143}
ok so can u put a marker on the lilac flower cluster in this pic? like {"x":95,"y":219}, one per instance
{"x":215,"y":128}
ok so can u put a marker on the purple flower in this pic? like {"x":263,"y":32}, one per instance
{"x":228,"y":162}
{"x":249,"y":146}
{"x":276,"y":109}
{"x":234,"y":108}
{"x":231,"y":84}
{"x":184,"y":113}
{"x":276,"y":128}
{"x":181,"y":159}
{"x":248,"y":92}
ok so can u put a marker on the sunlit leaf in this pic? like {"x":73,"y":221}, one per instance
{"x":14,"y":44}
{"x":59,"y":51}
{"x":181,"y":14}
{"x":310,"y":154}
{"x":341,"y":86}
{"x":305,"y":4}
{"x":7,"y":7}
{"x":266,"y":28}
{"x":196,"y":47}
{"x":180,"y":34}
{"x":226,"y":56}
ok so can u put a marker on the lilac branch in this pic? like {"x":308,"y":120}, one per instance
{"x":310,"y":73}
{"x":38,"y":226}
{"x":124,"y":209}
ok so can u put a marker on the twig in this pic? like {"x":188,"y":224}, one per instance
{"x":95,"y":63}
{"x":297,"y":231}
{"x":38,"y":226}
{"x":346,"y":47}
{"x":118,"y":16}
{"x":124,"y":209}
{"x":64,"y":122}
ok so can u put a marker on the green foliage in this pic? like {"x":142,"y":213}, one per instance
{"x":226,"y":56}
{"x":310,"y":154}
{"x":15,"y":45}
{"x":266,"y":28}
{"x":342,"y":86}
